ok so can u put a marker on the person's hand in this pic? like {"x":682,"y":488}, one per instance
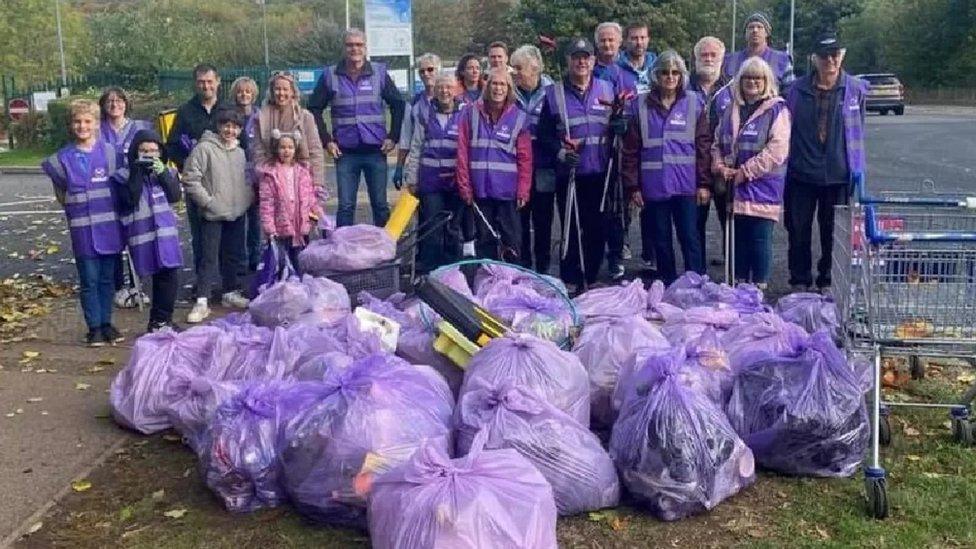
{"x":568,"y":157}
{"x":727,"y":173}
{"x":333,"y":149}
{"x":703,"y":196}
{"x":158,"y":167}
{"x":637,"y":199}
{"x":412,"y":189}
{"x":520,"y":203}
{"x":398,"y":177}
{"x":387,"y":146}
{"x":313,"y":216}
{"x":618,"y":124}
{"x":739,"y":177}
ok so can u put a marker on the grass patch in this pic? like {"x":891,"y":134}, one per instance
{"x":23,"y":157}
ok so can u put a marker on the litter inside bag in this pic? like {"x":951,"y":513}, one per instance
{"x":537,"y":365}
{"x":688,"y":327}
{"x":488,"y":498}
{"x":688,"y":290}
{"x":529,"y":312}
{"x":349,"y":248}
{"x":192,"y":400}
{"x":814,"y":312}
{"x":376,"y":413}
{"x":625,"y":300}
{"x":492,"y":275}
{"x":657,"y":309}
{"x":761,"y":336}
{"x":604,"y":347}
{"x":674,"y":448}
{"x":804,"y":414}
{"x":570,"y":457}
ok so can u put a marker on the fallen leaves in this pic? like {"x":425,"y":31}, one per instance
{"x":175,"y":513}
{"x":82,"y":485}
{"x":82,"y":386}
{"x":159,"y":494}
{"x":35,"y":527}
{"x":25,"y":299}
{"x":966,"y":379}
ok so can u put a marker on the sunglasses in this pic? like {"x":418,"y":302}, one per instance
{"x":427,"y":69}
{"x":669,"y":73}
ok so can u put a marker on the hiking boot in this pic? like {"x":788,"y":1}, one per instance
{"x":95,"y":338}
{"x":112,"y":334}
{"x":235,"y":299}
{"x":198,"y":313}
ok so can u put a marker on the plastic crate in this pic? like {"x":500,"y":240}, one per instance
{"x":381,"y":281}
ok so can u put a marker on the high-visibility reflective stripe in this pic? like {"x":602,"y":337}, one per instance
{"x":560,"y":92}
{"x":679,"y":160}
{"x":495,"y":166}
{"x":88,"y":220}
{"x":592,"y":140}
{"x":686,"y":135}
{"x":651,"y":165}
{"x":344,"y":102}
{"x":482,"y":143}
{"x":145,"y":213}
{"x":85,"y":196}
{"x":438,"y":163}
{"x":361,"y":119}
{"x":442,"y":143}
{"x":150,"y":236}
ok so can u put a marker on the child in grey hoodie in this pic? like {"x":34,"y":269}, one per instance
{"x":214,"y":180}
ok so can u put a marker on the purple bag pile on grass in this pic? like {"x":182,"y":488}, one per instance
{"x":348,"y":248}
{"x":313,"y":300}
{"x":674,"y":448}
{"x":536,"y":365}
{"x":628,"y":299}
{"x":570,"y":457}
{"x":814,"y":312}
{"x":488,"y":498}
{"x":529,"y":312}
{"x":690,"y":325}
{"x":803,"y":414}
{"x":657,"y":309}
{"x":761,"y":336}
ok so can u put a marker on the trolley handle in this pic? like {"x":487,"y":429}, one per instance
{"x":927,"y":186}
{"x":878,"y":235}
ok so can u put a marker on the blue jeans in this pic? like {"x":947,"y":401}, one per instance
{"x":96,"y":276}
{"x":753,"y":248}
{"x":193,"y":219}
{"x":373,"y":167}
{"x":681,"y":212}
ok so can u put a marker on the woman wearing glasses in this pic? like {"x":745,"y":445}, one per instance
{"x":665,"y":164}
{"x":752,"y":143}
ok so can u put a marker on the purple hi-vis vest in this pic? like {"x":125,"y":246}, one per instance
{"x":357,"y":107}
{"x":668,"y":147}
{"x":722,"y":100}
{"x":855,"y":90}
{"x":89,"y":203}
{"x":438,"y":158}
{"x":752,"y":139}
{"x":778,"y":60}
{"x":493,"y":159}
{"x":586,"y":120}
{"x":151,"y":230}
{"x":122,"y":139}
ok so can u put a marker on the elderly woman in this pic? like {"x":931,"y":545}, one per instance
{"x":494,"y":165}
{"x":244,"y":92}
{"x":431,"y":173}
{"x":428,"y":67}
{"x":117,"y":129}
{"x":752,"y":144}
{"x":530,"y":95}
{"x":665,"y":164}
{"x":281,"y":114}
{"x":468,"y":74}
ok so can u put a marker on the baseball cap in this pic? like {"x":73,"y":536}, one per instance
{"x":826,"y":43}
{"x":579,"y":45}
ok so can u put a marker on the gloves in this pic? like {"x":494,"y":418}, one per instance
{"x":568,"y":157}
{"x":618,"y":124}
{"x":398,"y":177}
{"x":158,"y":167}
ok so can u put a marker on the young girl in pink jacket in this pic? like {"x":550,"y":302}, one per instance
{"x":288,"y":204}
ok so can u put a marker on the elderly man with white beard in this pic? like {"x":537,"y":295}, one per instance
{"x":709,"y":81}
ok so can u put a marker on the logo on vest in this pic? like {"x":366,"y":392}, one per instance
{"x":750,"y":130}
{"x":854,"y":104}
{"x":366,"y":85}
{"x":678,"y":119}
{"x":504,"y":133}
{"x":99,"y":172}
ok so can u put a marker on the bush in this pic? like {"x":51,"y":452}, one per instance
{"x":31,"y":131}
{"x":57,"y":114}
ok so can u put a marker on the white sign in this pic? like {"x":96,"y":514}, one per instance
{"x":41,"y":99}
{"x":389,"y":27}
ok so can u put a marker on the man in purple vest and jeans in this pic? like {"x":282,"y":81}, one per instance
{"x":356,"y":90}
{"x":826,"y":150}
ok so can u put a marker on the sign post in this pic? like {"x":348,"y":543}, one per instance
{"x":389,"y":30}
{"x":17,"y":108}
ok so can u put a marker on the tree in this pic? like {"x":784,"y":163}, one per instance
{"x":28,"y":40}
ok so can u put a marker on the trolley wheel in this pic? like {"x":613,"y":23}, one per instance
{"x":962,"y":431}
{"x":916,"y":367}
{"x":884,"y":431}
{"x":877,"y":497}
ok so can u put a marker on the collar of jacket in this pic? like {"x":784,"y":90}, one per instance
{"x":568,"y":84}
{"x":654,"y":99}
{"x":523,"y":96}
{"x":482,"y":106}
{"x":623,"y":61}
{"x":367,"y":69}
{"x":719,"y":84}
{"x":198,"y":103}
{"x":806,"y":85}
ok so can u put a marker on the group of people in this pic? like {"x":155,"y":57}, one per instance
{"x":498,"y":149}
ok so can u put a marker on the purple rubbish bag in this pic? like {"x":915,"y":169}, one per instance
{"x":138,"y":398}
{"x":376,"y":414}
{"x":535,"y":364}
{"x":814,"y":312}
{"x":571,"y":458}
{"x":192,"y":400}
{"x":690,"y":325}
{"x":761,"y":336}
{"x":657,"y":309}
{"x":674,"y":448}
{"x":492,"y":275}
{"x":454,"y":279}
{"x":688,"y":290}
{"x":802,"y":415}
{"x":529,"y":312}
{"x":707,"y":368}
{"x":349,"y":248}
{"x":604,"y":347}
{"x":488,"y":498}
{"x":628,"y":299}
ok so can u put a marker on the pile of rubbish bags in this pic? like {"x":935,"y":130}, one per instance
{"x":666,"y":397}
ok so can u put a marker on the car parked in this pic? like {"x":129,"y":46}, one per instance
{"x":886,"y":93}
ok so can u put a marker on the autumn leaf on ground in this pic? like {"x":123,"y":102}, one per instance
{"x":159,"y":494}
{"x":175,"y":513}
{"x":82,"y":386}
{"x":35,"y":527}
{"x":81,"y":485}
{"x":911,"y":431}
{"x":31,"y":354}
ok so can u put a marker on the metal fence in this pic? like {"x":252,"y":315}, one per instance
{"x":941,"y":96}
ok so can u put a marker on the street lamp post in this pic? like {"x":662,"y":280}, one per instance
{"x":64,"y":67}
{"x":264,"y":22}
{"x":734,"y":7}
{"x":792,"y":24}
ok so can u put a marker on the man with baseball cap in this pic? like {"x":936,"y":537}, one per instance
{"x":826,"y":150}
{"x":577,"y":121}
{"x":758,"y":32}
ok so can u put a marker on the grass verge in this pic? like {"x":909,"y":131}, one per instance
{"x":23,"y":157}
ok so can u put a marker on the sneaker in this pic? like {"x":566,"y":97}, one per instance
{"x":159,"y":326}
{"x":650,"y":264}
{"x":617,"y":272}
{"x":112,"y":334}
{"x":95,"y":338}
{"x":198,"y":313}
{"x":235,"y":299}
{"x":626,"y":253}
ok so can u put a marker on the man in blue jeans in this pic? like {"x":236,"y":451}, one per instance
{"x":356,"y":90}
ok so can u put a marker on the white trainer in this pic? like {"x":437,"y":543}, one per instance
{"x":235,"y":299}
{"x":198,"y":313}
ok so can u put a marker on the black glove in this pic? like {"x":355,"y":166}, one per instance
{"x":618,"y":124}
{"x":398,"y":177}
{"x":568,"y":157}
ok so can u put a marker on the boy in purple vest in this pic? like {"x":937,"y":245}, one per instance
{"x":144,"y":190}
{"x":826,"y":150}
{"x":80,"y":173}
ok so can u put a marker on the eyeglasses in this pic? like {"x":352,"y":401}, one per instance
{"x":428,"y":69}
{"x":669,"y":73}
{"x":753,"y":77}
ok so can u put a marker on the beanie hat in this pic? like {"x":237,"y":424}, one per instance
{"x":761,"y":18}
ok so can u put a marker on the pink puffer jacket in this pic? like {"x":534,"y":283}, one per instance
{"x":286,"y":212}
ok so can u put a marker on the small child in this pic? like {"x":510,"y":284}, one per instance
{"x":145,"y":189}
{"x":214,"y":180}
{"x":80,"y":173}
{"x":289,"y":209}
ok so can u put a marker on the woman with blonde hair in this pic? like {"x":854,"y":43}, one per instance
{"x":244,"y":93}
{"x":752,"y":144}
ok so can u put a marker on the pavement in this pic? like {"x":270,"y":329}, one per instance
{"x":63,"y":427}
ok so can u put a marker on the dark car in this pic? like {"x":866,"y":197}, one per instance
{"x":886,"y":93}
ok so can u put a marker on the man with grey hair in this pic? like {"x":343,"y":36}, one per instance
{"x":355,"y":90}
{"x":428,"y":67}
{"x":608,"y":38}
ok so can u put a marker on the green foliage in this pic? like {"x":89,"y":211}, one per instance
{"x":441,"y":26}
{"x":57,"y":115}
{"x":28,"y":40}
{"x":31,"y":131}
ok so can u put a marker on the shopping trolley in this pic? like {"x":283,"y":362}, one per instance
{"x":904,"y":274}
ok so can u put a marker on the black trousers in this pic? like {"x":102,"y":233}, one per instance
{"x":589,"y":190}
{"x":721,"y":205}
{"x":505,"y":219}
{"x":165,"y":285}
{"x":442,"y":245}
{"x":537,"y":231}
{"x":801,"y":203}
{"x":223,"y":253}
